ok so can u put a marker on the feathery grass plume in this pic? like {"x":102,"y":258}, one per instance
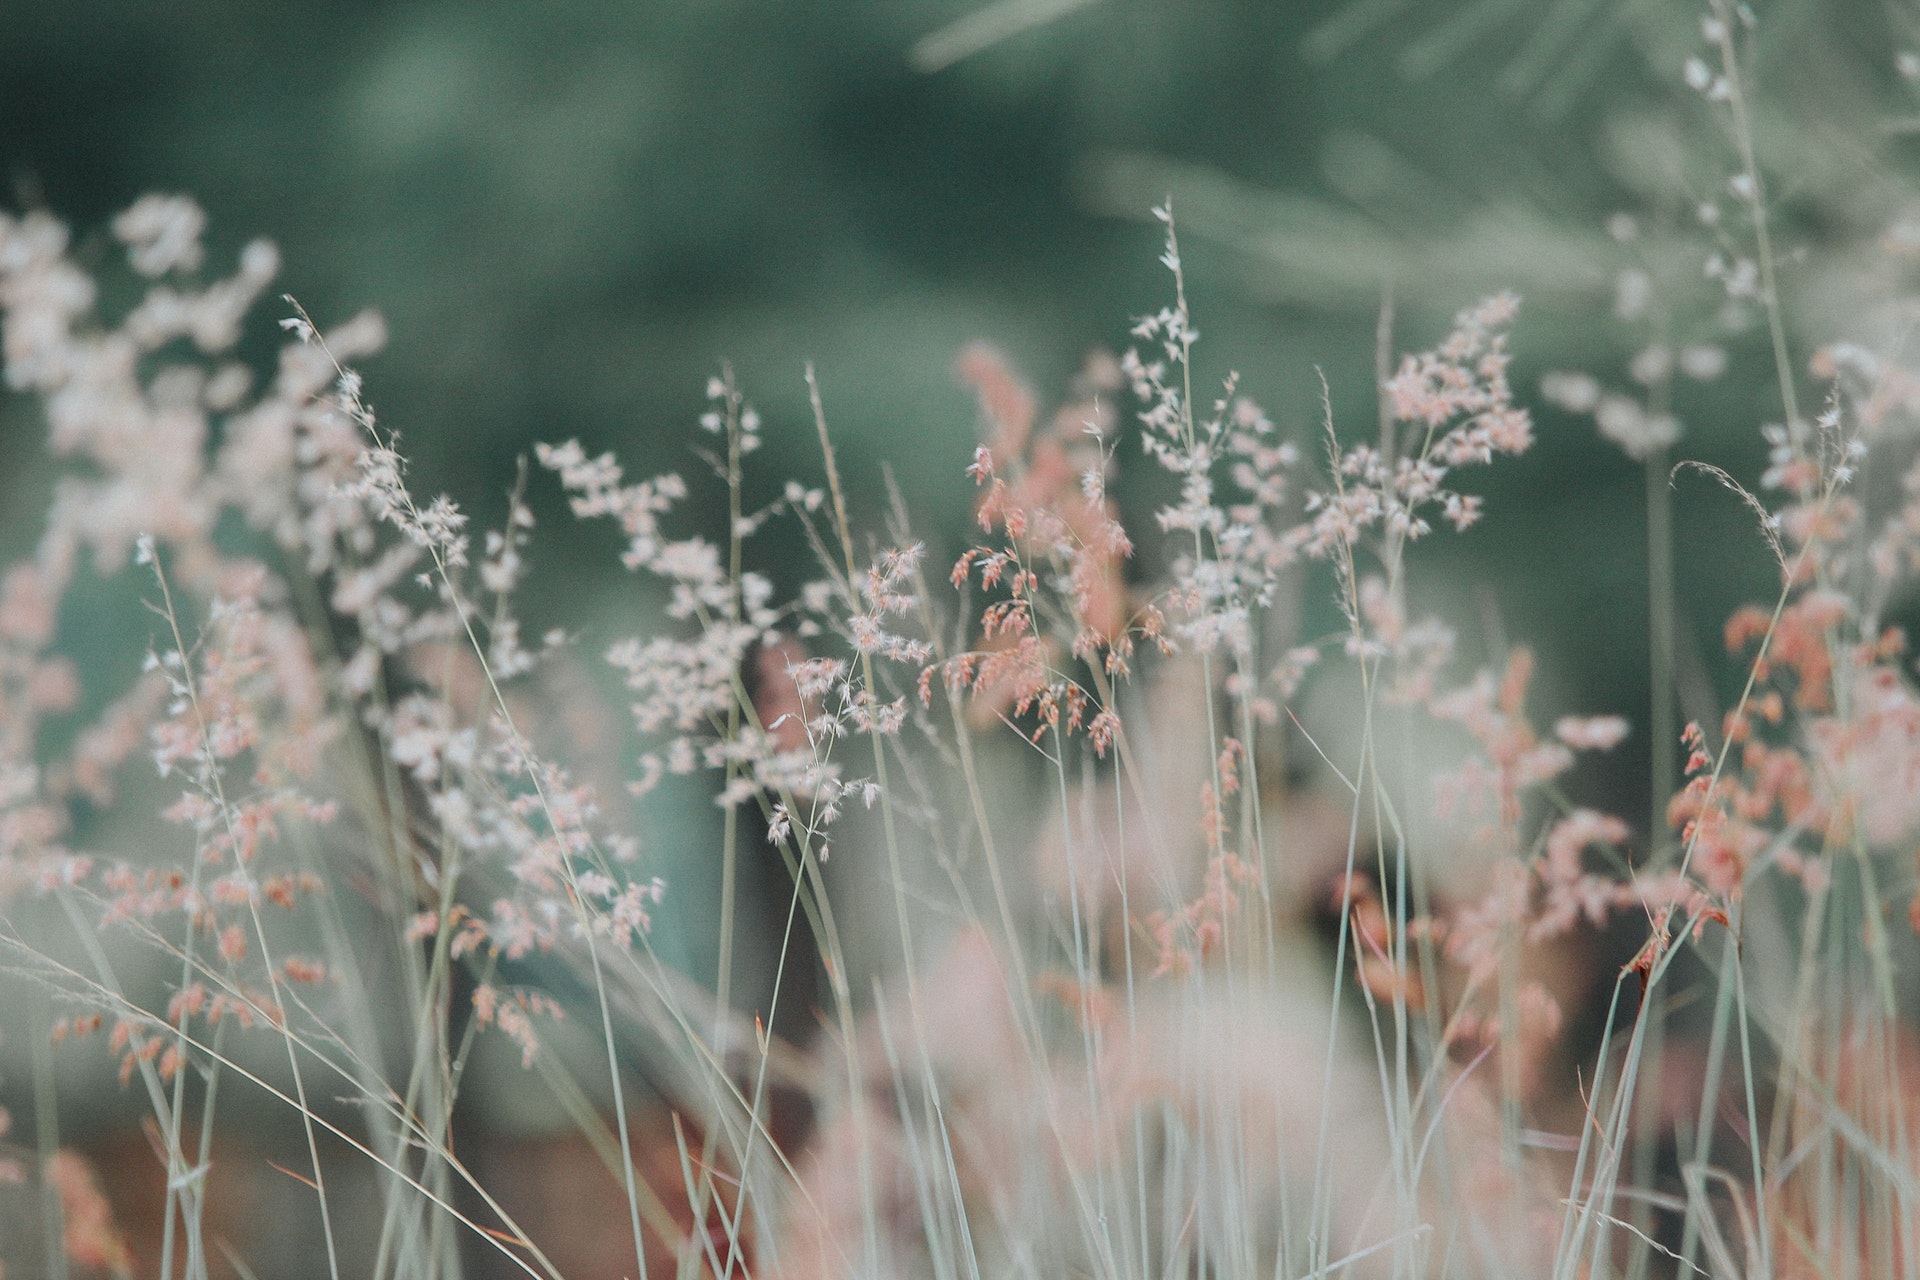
{"x":1109,"y":983}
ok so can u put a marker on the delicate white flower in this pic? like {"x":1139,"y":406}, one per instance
{"x":1574,"y":392}
{"x":1703,"y":361}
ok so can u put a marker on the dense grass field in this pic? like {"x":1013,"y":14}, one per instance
{"x":1198,"y":885}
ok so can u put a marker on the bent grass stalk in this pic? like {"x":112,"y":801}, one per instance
{"x":1114,"y":1132}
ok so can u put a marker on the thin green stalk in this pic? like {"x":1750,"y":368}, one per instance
{"x":1754,"y":1143}
{"x":46,"y":1134}
{"x":216,"y":786}
{"x":869,"y":1224}
{"x":1710,"y":1086}
{"x":1756,"y":202}
{"x":1663,"y":621}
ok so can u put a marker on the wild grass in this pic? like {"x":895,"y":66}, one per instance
{"x":1131,"y":960}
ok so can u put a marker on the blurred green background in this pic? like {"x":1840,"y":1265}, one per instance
{"x":571,"y":213}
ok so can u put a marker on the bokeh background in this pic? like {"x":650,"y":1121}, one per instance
{"x":572,"y":214}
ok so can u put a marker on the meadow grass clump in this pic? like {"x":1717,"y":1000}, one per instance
{"x":1114,"y":953}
